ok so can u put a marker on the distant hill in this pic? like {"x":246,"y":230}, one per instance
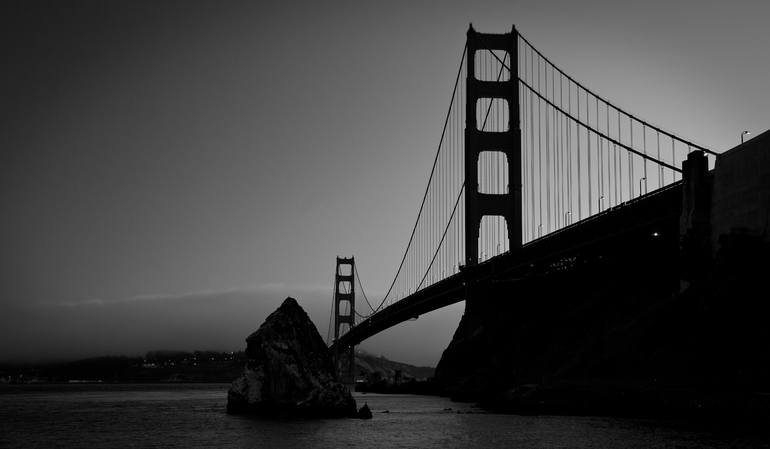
{"x":183,"y":366}
{"x":376,"y":368}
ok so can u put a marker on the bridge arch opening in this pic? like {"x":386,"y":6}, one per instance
{"x":493,"y":237}
{"x":345,"y":286}
{"x":344,"y":328}
{"x":493,"y":172}
{"x":344,"y":311}
{"x":492,"y":114}
{"x":487,"y":66}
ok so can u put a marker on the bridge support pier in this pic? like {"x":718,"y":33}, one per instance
{"x":344,"y":315}
{"x":695,"y":219}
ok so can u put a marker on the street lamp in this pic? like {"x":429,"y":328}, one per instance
{"x":745,"y":133}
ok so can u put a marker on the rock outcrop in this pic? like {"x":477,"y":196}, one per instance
{"x":364,"y":412}
{"x":290,"y":371}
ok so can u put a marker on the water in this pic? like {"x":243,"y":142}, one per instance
{"x":185,"y":416}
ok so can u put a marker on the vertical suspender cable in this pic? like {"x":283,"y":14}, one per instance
{"x":618,"y":165}
{"x":579,"y":171}
{"x":631,"y":159}
{"x":547,"y":157}
{"x":532,"y":148}
{"x":569,"y":148}
{"x":610,"y":157}
{"x":598,"y":157}
{"x":644,"y":160}
{"x":660,"y":167}
{"x":588,"y":149}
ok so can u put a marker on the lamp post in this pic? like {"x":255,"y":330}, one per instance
{"x":745,"y":133}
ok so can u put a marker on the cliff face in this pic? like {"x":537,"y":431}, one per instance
{"x":566,"y":324}
{"x":604,"y":341}
{"x":665,"y":323}
{"x":290,"y":371}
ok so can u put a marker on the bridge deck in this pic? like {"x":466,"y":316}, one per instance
{"x":655,"y":211}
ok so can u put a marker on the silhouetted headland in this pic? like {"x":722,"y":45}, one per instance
{"x":672,"y":324}
{"x":380,"y":375}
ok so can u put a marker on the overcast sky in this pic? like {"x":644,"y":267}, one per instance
{"x":170,"y":171}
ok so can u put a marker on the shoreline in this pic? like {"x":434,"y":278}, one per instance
{"x":732,"y":412}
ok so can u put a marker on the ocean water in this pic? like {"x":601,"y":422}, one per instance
{"x":193,"y":416}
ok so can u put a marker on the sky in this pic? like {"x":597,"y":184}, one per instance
{"x":170,"y":171}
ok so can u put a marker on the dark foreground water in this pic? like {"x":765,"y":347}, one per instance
{"x":184,"y":416}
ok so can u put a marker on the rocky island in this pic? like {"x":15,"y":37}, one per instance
{"x":289,"y":371}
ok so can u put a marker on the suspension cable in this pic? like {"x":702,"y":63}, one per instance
{"x":361,"y":284}
{"x":590,"y":128}
{"x":446,"y":228}
{"x":331,"y":314}
{"x":605,"y":101}
{"x":459,"y":195}
{"x":430,"y":178}
{"x":587,"y":126}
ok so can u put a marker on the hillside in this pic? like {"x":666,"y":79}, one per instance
{"x":374,"y":368}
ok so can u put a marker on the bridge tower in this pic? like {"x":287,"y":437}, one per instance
{"x":344,"y":291}
{"x":507,"y":204}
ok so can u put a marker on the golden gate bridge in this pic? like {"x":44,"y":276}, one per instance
{"x":531,"y":169}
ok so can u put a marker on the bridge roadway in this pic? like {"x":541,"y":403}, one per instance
{"x":656,"y":212}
